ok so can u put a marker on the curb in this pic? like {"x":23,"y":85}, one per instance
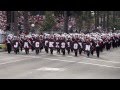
{"x":2,"y":50}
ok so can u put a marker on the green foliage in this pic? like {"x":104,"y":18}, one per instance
{"x":117,"y":24}
{"x":49,"y":21}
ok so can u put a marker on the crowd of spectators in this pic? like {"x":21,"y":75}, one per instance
{"x":34,"y":19}
{"x":3,"y":20}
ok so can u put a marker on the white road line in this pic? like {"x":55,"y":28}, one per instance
{"x":7,"y":58}
{"x":99,"y":65}
{"x":81,"y":62}
{"x":50,"y":69}
{"x":14,"y":61}
{"x":61,"y":60}
{"x":92,"y":59}
{"x":84,"y":63}
{"x":63,"y":56}
{"x":100,"y":60}
{"x":58,"y":60}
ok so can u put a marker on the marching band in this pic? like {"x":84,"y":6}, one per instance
{"x":62,"y":43}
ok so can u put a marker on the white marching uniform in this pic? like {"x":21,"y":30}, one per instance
{"x":87,"y":47}
{"x":63,"y":45}
{"x":37,"y":44}
{"x":75,"y":46}
{"x":16,"y":45}
{"x":26,"y":45}
{"x":51,"y":44}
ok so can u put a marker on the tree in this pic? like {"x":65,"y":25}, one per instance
{"x":89,"y":21}
{"x":49,"y":21}
{"x":66,"y":21}
{"x":15,"y":22}
{"x":26,"y":23}
{"x":96,"y":19}
{"x":79,"y":19}
{"x":113,"y":20}
{"x":108,"y":20}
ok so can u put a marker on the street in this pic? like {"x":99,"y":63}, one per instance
{"x":46,"y":66}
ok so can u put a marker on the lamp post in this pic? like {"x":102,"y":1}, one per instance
{"x":33,"y":25}
{"x":114,"y":29}
{"x":66,"y":21}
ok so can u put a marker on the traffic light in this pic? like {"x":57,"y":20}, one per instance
{"x":10,"y":16}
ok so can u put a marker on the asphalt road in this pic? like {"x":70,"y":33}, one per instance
{"x":46,"y":66}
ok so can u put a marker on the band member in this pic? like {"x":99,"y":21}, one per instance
{"x":41,"y":43}
{"x":21,"y":43}
{"x":46,"y":44}
{"x":119,"y":41}
{"x":75,"y":47}
{"x":84,"y":45}
{"x":63,"y":45}
{"x":97,"y":48}
{"x":113,"y":42}
{"x":9,"y":44}
{"x":32,"y":39}
{"x":26,"y":45}
{"x":51,"y":45}
{"x":57,"y":45}
{"x":80,"y":46}
{"x":16,"y":44}
{"x":116,"y":41}
{"x":68,"y":45}
{"x":72,"y":44}
{"x":107,"y":44}
{"x":87,"y":47}
{"x":101,"y":45}
{"x":92,"y":44}
{"x":37,"y":45}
